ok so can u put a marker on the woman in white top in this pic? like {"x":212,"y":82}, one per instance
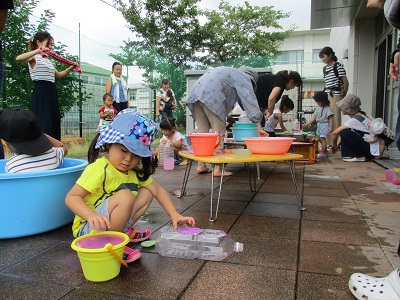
{"x":162,"y":98}
{"x":116,"y":86}
{"x":353,"y":146}
{"x":44,"y":98}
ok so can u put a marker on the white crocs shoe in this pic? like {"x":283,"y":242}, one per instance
{"x":365,"y":287}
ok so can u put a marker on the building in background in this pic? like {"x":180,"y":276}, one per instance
{"x":363,"y":38}
{"x":300,"y":52}
{"x":94,"y":82}
{"x":141,"y":98}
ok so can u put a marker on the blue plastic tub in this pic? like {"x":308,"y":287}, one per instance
{"x":33,"y":203}
{"x":240,"y":133}
{"x":244,"y":125}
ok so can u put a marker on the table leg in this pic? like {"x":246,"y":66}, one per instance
{"x":212,"y":219}
{"x":258,"y":170}
{"x":253,"y":186}
{"x":293,"y":174}
{"x":186,"y":177}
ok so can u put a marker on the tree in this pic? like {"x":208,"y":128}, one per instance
{"x":172,"y":40}
{"x":18,"y":84}
{"x":170,"y":27}
{"x":241,"y":34}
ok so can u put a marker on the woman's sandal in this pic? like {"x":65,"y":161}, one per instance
{"x":130,"y":255}
{"x":365,"y":287}
{"x":138,"y":235}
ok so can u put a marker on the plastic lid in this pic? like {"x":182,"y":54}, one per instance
{"x":238,"y":247}
{"x":148,"y":243}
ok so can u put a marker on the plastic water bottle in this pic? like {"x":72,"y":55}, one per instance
{"x":296,"y":124}
{"x":168,"y":157}
{"x":161,"y":155}
{"x":243,"y":118}
{"x":206,"y":244}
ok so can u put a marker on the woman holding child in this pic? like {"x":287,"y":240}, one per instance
{"x":117,"y":87}
{"x":165,"y":100}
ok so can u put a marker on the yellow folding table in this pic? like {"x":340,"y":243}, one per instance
{"x":237,"y":156}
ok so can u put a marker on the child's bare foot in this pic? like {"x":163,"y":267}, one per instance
{"x":202,"y":171}
{"x":183,"y":163}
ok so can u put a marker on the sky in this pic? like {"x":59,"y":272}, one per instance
{"x":103,"y":29}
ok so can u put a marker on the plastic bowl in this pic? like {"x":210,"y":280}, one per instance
{"x":244,"y":125}
{"x":240,"y":133}
{"x":34,"y":202}
{"x":268,"y":145}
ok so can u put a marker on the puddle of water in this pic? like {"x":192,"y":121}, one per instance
{"x":322,"y":177}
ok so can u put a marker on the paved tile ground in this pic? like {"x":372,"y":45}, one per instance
{"x":351,"y":224}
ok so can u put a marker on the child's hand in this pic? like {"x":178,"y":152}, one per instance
{"x":98,"y":221}
{"x":368,"y":140}
{"x":304,"y":126}
{"x":163,"y":141}
{"x":179,"y":219}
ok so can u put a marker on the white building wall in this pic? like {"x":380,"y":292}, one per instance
{"x":359,"y":42}
{"x":308,"y":41}
{"x":141,"y":98}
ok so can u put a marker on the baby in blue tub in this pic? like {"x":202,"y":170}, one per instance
{"x":33,"y":150}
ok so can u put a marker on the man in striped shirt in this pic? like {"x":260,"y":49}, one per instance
{"x":33,"y":150}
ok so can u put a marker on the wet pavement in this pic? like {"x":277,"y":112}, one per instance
{"x":352,"y":224}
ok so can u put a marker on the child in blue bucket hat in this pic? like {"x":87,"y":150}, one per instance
{"x":114,"y":191}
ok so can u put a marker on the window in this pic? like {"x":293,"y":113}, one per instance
{"x":85,"y":79}
{"x":290,"y":57}
{"x":97,"y":81}
{"x":315,"y":56}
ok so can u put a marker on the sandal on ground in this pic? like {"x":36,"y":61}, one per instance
{"x":354,"y":159}
{"x":138,"y":235}
{"x":130,"y":255}
{"x":364,"y":287}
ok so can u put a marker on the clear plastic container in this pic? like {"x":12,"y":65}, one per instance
{"x":161,"y":155}
{"x":208,"y":245}
{"x":168,"y":163}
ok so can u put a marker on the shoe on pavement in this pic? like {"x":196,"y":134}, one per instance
{"x":372,"y":288}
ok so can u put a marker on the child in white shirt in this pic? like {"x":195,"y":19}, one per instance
{"x":284,"y":106}
{"x":33,"y":150}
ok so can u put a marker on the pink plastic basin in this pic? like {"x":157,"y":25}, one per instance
{"x":268,"y":145}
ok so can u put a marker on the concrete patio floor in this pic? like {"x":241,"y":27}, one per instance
{"x":352,"y":224}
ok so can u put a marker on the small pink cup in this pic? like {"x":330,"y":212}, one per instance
{"x":389,"y":175}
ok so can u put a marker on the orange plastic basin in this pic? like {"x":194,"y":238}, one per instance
{"x":268,"y":145}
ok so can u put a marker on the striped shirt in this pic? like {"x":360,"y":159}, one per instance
{"x":48,"y":160}
{"x":220,"y":88}
{"x":43,"y":70}
{"x":333,"y":83}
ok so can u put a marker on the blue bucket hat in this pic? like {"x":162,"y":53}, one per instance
{"x":131,"y":129}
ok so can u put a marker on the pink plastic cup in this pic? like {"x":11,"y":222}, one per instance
{"x":389,"y":175}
